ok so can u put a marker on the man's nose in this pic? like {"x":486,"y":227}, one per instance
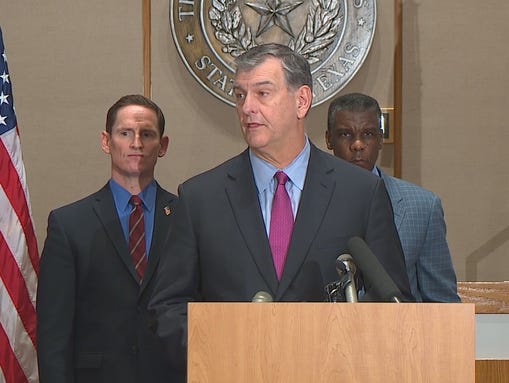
{"x":358,"y":144}
{"x":249,"y":104}
{"x":136,"y":142}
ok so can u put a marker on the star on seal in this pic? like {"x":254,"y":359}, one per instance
{"x":274,"y":12}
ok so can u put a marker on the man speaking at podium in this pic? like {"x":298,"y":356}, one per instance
{"x":275,"y":217}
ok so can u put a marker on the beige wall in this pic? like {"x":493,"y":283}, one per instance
{"x":70,"y":61}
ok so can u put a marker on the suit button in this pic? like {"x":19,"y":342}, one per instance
{"x":134,"y":350}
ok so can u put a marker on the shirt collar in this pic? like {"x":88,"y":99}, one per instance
{"x":296,"y":171}
{"x":122,"y":196}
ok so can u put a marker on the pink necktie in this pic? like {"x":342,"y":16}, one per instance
{"x":137,"y":236}
{"x":281,"y":223}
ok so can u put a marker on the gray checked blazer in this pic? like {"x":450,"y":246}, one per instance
{"x":419,"y":219}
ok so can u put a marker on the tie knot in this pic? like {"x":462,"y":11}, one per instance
{"x":281,"y":177}
{"x":135,"y":200}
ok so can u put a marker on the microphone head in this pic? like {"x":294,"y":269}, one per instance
{"x":345,"y":264}
{"x":262,"y":296}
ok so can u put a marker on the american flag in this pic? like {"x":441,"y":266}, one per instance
{"x":19,"y":258}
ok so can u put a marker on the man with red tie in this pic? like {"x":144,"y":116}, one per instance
{"x":98,"y":263}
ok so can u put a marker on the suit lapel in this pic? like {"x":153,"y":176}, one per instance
{"x":315,"y":198}
{"x":104,"y":207}
{"x":243,"y":198}
{"x":396,"y":200}
{"x":162,"y":219}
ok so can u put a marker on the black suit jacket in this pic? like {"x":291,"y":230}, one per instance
{"x":91,"y":311}
{"x":219,"y":251}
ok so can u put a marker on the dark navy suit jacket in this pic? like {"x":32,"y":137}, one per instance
{"x":91,"y":311}
{"x":219,"y":251}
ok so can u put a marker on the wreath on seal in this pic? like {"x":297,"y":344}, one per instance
{"x":322,"y":24}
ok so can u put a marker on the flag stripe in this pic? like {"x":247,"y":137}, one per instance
{"x":10,"y":179}
{"x":15,"y":286}
{"x":19,"y":342}
{"x":9,"y":364}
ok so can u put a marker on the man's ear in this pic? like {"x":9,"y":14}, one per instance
{"x":164,"y":146}
{"x":105,"y":141}
{"x":304,"y":97}
{"x":327,"y":139}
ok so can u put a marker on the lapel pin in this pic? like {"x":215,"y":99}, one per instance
{"x":167,"y":210}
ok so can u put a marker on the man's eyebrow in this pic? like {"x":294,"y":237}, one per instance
{"x":256,"y":84}
{"x":264,"y":82}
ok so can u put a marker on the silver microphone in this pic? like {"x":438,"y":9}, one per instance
{"x":346,"y":267}
{"x":262,"y":296}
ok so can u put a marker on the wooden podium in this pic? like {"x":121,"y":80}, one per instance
{"x":331,"y":342}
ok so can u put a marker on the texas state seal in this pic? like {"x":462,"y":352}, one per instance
{"x":333,"y":35}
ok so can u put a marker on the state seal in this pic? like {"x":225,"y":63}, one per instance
{"x":333,"y":35}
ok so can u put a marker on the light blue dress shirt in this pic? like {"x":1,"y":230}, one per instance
{"x":148,"y":197}
{"x":266,"y":184}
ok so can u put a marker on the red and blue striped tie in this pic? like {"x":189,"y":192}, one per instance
{"x":137,"y":236}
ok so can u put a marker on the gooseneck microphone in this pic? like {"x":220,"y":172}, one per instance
{"x":262,"y":296}
{"x":373,"y":271}
{"x":346,"y":269}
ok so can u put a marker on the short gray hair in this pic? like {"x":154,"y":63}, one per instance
{"x":296,"y":68}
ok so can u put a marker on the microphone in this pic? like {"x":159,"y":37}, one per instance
{"x":346,"y":269}
{"x":262,"y":296}
{"x":373,"y":271}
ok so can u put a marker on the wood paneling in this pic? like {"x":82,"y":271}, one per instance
{"x":491,"y":371}
{"x":488,"y":297}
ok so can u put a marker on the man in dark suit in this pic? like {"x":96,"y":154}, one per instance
{"x":92,"y":296}
{"x":222,"y":248}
